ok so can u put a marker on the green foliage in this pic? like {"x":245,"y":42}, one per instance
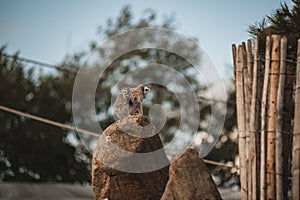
{"x":284,"y":21}
{"x":32,"y":151}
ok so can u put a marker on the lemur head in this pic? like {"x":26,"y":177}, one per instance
{"x":139,"y":93}
{"x":131,"y":102}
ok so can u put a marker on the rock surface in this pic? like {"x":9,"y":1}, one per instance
{"x":190,"y":179}
{"x":123,"y":162}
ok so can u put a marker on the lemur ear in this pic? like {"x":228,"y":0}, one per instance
{"x":126,"y":93}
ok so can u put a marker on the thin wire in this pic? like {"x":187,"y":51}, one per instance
{"x":280,"y":174}
{"x":47,"y":121}
{"x":219,"y":164}
{"x":286,"y":60}
{"x":42,"y":64}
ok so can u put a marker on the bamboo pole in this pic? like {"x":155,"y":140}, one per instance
{"x":258,"y":121}
{"x":233,"y":47}
{"x":271,"y":124}
{"x":247,"y":70}
{"x":296,"y":136}
{"x":249,"y":84}
{"x":250,"y":69}
{"x":253,"y":125}
{"x":280,"y":96}
{"x":241,"y":121}
{"x":263,"y":121}
{"x":287,"y":124}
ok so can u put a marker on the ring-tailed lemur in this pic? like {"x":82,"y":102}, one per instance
{"x":129,"y":101}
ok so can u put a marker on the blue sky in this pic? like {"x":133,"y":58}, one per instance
{"x":48,"y":30}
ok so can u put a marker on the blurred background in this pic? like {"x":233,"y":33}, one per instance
{"x":43,"y":44}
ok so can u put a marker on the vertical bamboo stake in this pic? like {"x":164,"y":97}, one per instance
{"x":271,"y":124}
{"x":250,"y":69}
{"x":287,"y":127}
{"x":263,"y":121}
{"x":249,"y":140}
{"x":233,"y":47}
{"x":247,"y":98}
{"x":241,"y":120}
{"x":258,"y":120}
{"x":296,"y":135}
{"x":253,"y":125}
{"x":280,"y":95}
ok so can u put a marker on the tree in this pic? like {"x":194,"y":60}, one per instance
{"x":31,"y":151}
{"x":284,"y":21}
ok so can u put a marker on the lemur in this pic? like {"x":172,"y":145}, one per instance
{"x":129,"y":101}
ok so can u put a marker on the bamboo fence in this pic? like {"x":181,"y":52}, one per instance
{"x":269,"y":135}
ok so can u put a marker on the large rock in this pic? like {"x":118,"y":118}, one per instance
{"x":127,"y":153}
{"x":190,"y":179}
